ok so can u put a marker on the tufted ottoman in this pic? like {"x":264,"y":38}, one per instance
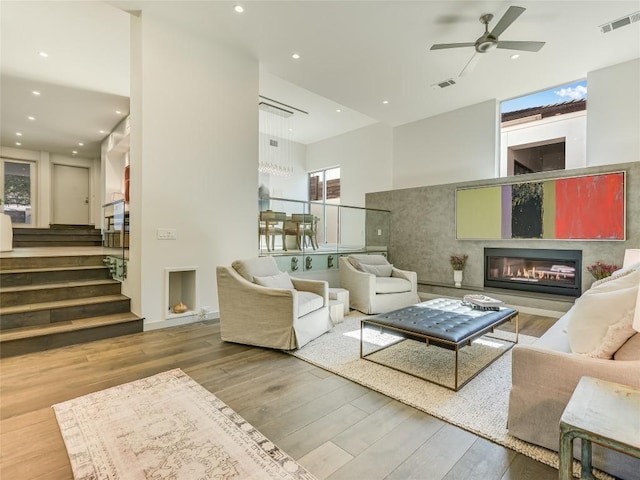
{"x":443,"y":322}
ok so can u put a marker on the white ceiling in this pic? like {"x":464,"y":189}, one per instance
{"x":355,"y":54}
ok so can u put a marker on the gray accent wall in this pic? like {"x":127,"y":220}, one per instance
{"x":423,"y":234}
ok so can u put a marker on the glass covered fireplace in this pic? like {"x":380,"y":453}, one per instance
{"x":534,"y":270}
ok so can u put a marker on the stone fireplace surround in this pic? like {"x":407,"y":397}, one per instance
{"x":422,"y":236}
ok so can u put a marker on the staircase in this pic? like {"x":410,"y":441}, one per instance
{"x":57,"y":236}
{"x":53,"y":301}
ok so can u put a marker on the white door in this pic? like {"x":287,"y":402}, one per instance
{"x":70,"y":195}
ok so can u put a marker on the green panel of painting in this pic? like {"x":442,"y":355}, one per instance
{"x":479,"y":213}
{"x":549,"y":209}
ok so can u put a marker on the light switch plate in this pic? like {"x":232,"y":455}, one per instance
{"x":167,"y":234}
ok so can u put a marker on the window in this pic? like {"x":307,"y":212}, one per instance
{"x":19,"y":190}
{"x":544,"y":130}
{"x":325,"y":185}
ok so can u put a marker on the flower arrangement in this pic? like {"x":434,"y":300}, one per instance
{"x":601,"y":270}
{"x":458,"y":261}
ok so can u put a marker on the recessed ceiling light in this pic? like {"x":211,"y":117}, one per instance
{"x":31,"y":118}
{"x":80,"y":144}
{"x":74,"y":152}
{"x":385,"y":102}
{"x":239,"y":8}
{"x":102,"y":131}
{"x":19,"y":134}
{"x":43,"y":54}
{"x":295,"y":56}
{"x":291,"y":129}
{"x":18,"y":144}
{"x":514,"y":56}
{"x":36,"y":93}
{"x":118,"y":112}
{"x":338,"y":110}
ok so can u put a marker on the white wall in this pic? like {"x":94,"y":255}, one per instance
{"x":293,"y":186}
{"x":453,"y":147}
{"x":613,"y":123}
{"x":571,"y":126}
{"x":44,"y":162}
{"x":194,"y":160}
{"x":365,"y":159}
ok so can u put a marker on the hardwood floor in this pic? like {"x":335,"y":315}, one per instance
{"x":336,"y":428}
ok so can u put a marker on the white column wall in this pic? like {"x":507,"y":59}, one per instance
{"x":365,"y":159}
{"x":613,"y":114}
{"x":194,"y":151}
{"x":453,"y":147}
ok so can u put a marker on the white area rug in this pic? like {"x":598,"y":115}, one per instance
{"x":480,"y":407}
{"x":166,"y":427}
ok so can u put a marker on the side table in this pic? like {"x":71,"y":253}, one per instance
{"x":603,"y":412}
{"x":336,"y":310}
{"x":342,"y":295}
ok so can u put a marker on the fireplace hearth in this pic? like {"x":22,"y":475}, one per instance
{"x":534,"y":270}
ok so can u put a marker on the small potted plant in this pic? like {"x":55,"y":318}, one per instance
{"x":601,"y":270}
{"x":458,"y":262}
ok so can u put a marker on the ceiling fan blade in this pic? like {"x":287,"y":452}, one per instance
{"x":525,"y":46}
{"x":507,"y":19}
{"x":440,"y":46}
{"x":471,"y":64}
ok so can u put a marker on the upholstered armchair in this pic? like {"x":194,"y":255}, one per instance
{"x":375,"y":285}
{"x":262,"y":306}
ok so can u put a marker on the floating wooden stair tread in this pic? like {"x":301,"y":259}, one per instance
{"x":50,"y":286}
{"x":65,"y":327}
{"x":74,"y":302}
{"x":53,"y":269}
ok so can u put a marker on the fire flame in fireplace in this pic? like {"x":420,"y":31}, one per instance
{"x":556,"y":272}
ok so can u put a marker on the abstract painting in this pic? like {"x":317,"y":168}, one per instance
{"x":588,"y":207}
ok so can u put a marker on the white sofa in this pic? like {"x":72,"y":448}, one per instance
{"x":262,"y":306}
{"x":545,"y":374}
{"x":375,"y":285}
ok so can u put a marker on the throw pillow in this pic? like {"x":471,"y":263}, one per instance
{"x":357,"y":260}
{"x":281,"y":280}
{"x":600,"y":321}
{"x":617,"y":274}
{"x":378,"y":270}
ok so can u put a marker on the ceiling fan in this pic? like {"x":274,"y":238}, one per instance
{"x":489,"y":40}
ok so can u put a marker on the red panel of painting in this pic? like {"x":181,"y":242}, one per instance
{"x":590,"y":207}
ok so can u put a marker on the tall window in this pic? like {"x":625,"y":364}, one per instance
{"x":544,"y":130}
{"x":325,"y":185}
{"x":19,"y":188}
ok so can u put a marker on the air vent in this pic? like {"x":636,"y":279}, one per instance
{"x":273,"y":143}
{"x":621,"y":22}
{"x":443,"y":84}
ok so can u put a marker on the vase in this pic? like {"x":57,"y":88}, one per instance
{"x":180,"y":308}
{"x":457,"y":278}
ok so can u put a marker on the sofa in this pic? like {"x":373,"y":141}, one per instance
{"x":262,"y":306}
{"x":594,"y":338}
{"x":375,"y":285}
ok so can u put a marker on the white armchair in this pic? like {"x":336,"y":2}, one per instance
{"x":262,"y":306}
{"x":375,"y":285}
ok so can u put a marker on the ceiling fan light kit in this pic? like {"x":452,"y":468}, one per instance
{"x":490,"y":39}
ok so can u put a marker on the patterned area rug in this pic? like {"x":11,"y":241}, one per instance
{"x":480,"y":407}
{"x":166,"y":427}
